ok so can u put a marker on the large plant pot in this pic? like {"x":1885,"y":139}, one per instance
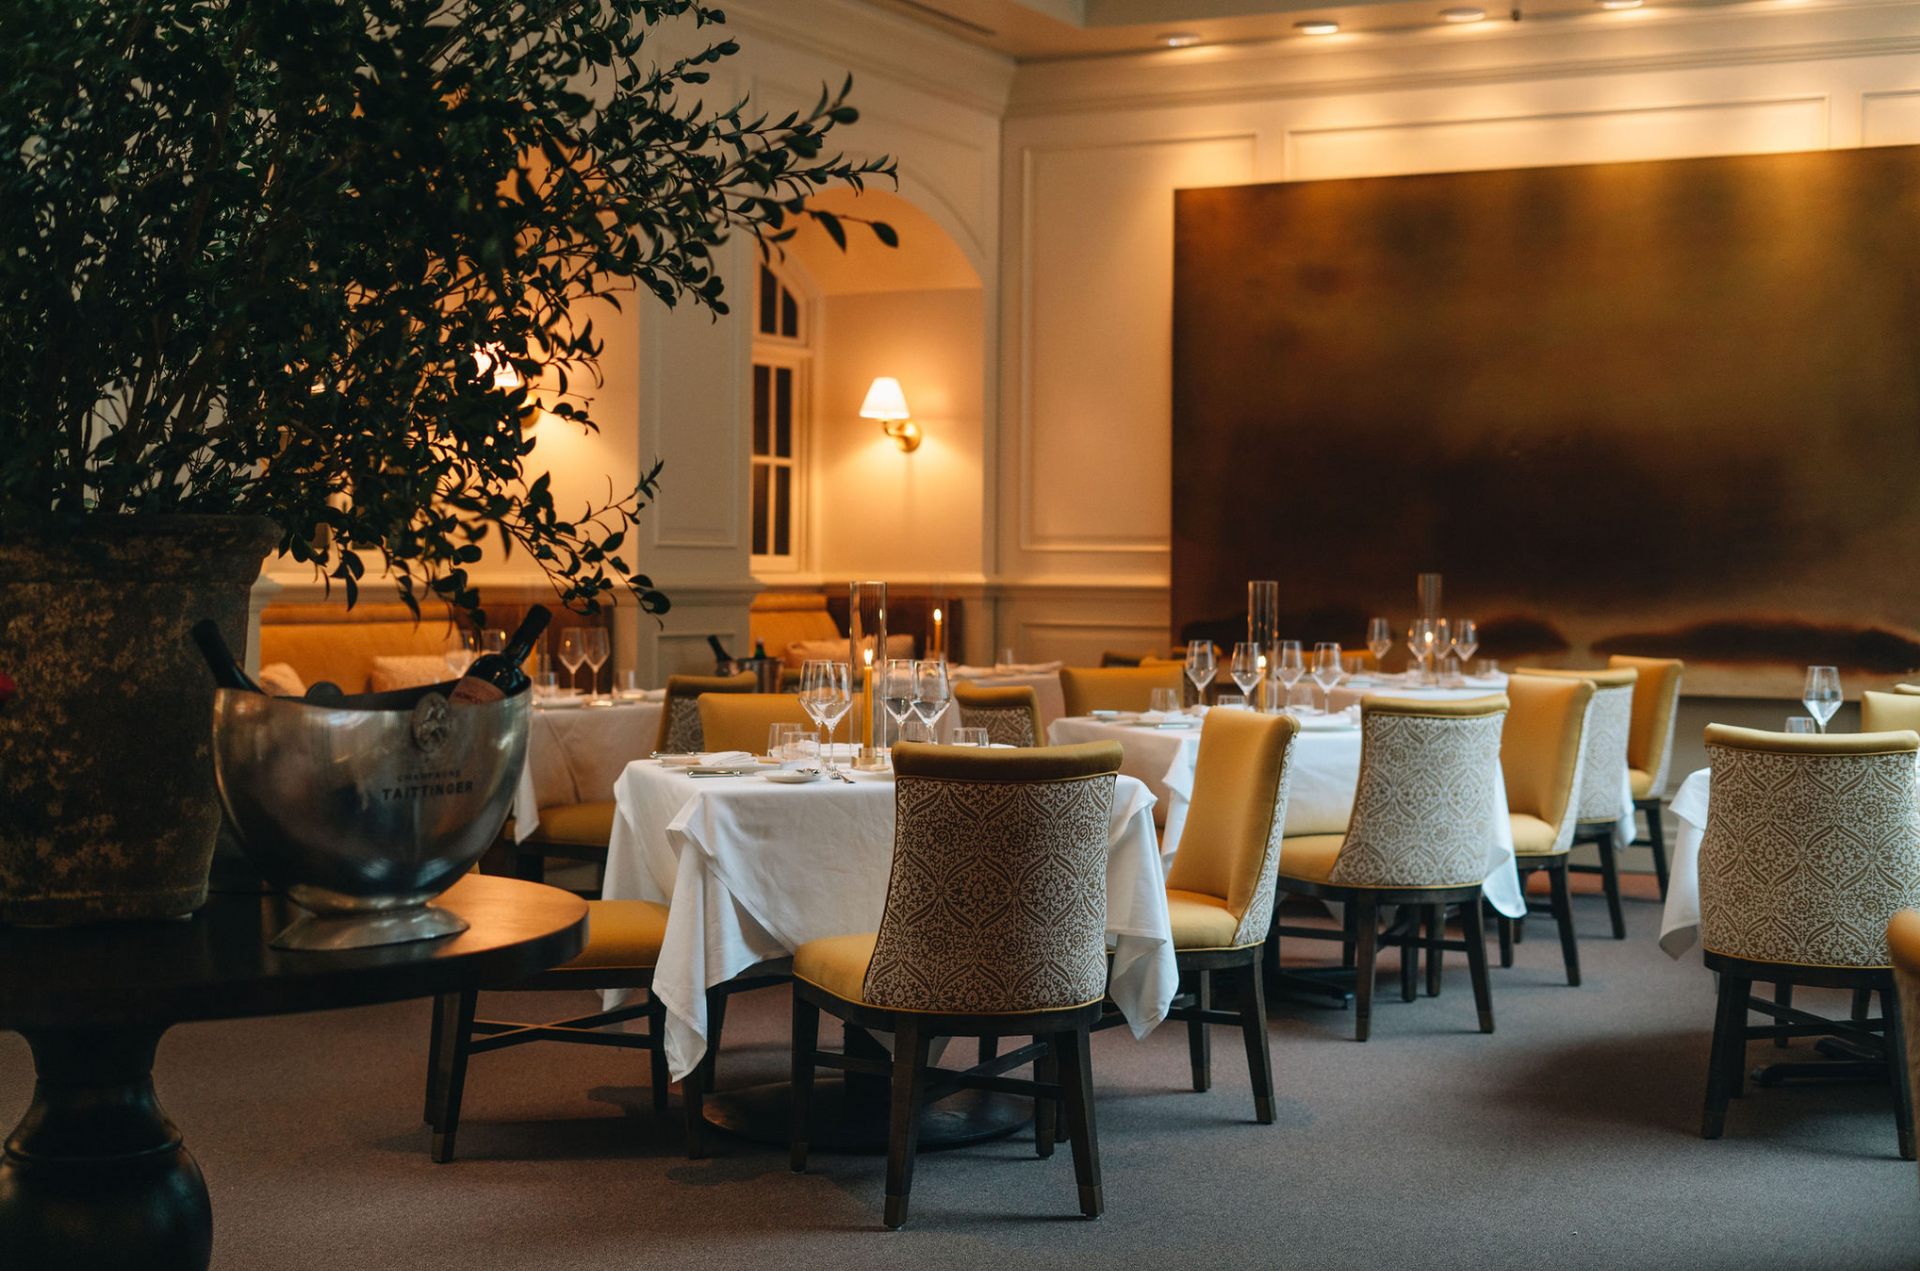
{"x":107,"y":803}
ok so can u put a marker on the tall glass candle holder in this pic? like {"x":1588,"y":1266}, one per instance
{"x":1263,"y":624}
{"x":1430,"y":597}
{"x":867,"y":645}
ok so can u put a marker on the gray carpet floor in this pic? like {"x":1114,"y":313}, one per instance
{"x":1568,"y":1138}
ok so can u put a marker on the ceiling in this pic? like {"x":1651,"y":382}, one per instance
{"x":1046,"y":30}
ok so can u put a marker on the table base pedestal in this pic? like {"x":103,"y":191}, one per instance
{"x":94,"y":1175}
{"x":853,"y":1122}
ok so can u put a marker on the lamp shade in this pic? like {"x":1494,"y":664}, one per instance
{"x":885,"y":400}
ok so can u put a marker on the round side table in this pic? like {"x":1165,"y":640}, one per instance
{"x":95,"y":1174}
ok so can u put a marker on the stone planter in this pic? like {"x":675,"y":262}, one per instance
{"x":107,"y":802}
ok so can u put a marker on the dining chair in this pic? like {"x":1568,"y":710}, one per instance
{"x":1117,"y":688}
{"x":1010,"y":714}
{"x":681,"y":732}
{"x":1812,"y":845}
{"x":1418,"y":837}
{"x":623,"y":947}
{"x":567,"y":831}
{"x":740,"y":721}
{"x":1656,"y":701}
{"x":1907,"y":688}
{"x":1603,"y":770}
{"x":994,"y":925}
{"x":1542,"y":754}
{"x":1220,"y":890}
{"x":1903,"y":945}
{"x":1110,"y":658}
{"x":1889,"y":712}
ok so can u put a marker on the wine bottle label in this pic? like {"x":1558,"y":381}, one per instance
{"x":474,"y":692}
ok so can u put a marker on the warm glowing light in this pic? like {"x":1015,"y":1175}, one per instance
{"x":886,"y":403}
{"x":1317,"y":26}
{"x":1178,"y":39}
{"x":1463,"y":15}
{"x":491,"y":359}
{"x":1620,"y":4}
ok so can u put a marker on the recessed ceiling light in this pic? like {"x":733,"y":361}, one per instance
{"x":1620,"y":4}
{"x":1178,"y":39}
{"x":1463,"y":15}
{"x":1322,"y":26}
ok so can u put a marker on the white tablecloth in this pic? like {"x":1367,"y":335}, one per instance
{"x":1326,"y":772}
{"x":751,"y":870}
{"x":576,"y":754}
{"x":1680,"y":921}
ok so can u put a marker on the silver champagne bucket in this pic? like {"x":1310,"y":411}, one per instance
{"x":363,"y":809}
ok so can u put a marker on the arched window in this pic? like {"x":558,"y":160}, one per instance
{"x":782,"y":359}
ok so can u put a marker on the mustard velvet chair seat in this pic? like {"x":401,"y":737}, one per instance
{"x":567,"y":831}
{"x":1656,"y":707}
{"x":1812,"y":846}
{"x":1220,"y":890}
{"x":1011,"y":715}
{"x":1117,"y":688}
{"x":1543,"y":753}
{"x":1889,"y":712}
{"x":741,"y":721}
{"x":1417,"y":838}
{"x":1597,"y":801}
{"x":681,"y":731}
{"x":1903,"y":945}
{"x":994,"y":925}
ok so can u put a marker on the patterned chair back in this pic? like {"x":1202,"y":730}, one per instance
{"x":1656,"y":700}
{"x":1543,"y":749}
{"x":680,"y":731}
{"x":1423,"y":813}
{"x":1231,"y":845}
{"x":998,"y":897}
{"x":1812,"y":844}
{"x":741,"y":721}
{"x":1117,"y":688}
{"x":1011,"y":715}
{"x":1603,"y":768}
{"x":1889,"y":712}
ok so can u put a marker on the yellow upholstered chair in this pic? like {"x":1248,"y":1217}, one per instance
{"x":334,"y":643}
{"x":1111,"y":658}
{"x":681,"y":732}
{"x":1221,"y":888}
{"x":1889,"y":712}
{"x":983,"y":935}
{"x":1542,"y":754}
{"x":1421,"y":815}
{"x":777,"y":619}
{"x":740,"y":721}
{"x":1603,"y":768}
{"x":1117,"y":688}
{"x":1812,"y":846}
{"x":1907,"y":688}
{"x":1903,"y":944}
{"x":1011,"y":715}
{"x":1656,"y":703}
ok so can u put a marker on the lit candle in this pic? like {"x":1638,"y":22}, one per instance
{"x":938,"y":644}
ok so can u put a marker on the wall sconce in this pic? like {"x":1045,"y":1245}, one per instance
{"x":491,"y":360}
{"x":886,"y":403}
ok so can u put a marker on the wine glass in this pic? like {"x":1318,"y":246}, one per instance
{"x":597,"y":653}
{"x":1245,"y":667}
{"x":931,"y":691}
{"x":895,"y":688}
{"x":1421,"y":638}
{"x":1466,"y":638}
{"x":461,"y":656}
{"x":825,"y":696}
{"x":1442,"y":650}
{"x":1292,"y":664}
{"x":573,"y":651}
{"x":493,"y":640}
{"x":1200,"y":666}
{"x":1822,"y":694}
{"x":1326,"y":669}
{"x":1379,"y":641}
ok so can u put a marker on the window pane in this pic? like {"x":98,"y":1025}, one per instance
{"x":769,"y":301}
{"x":783,"y":413}
{"x":760,"y":406}
{"x":783,"y":511}
{"x":789,"y":314}
{"x":759,"y":509}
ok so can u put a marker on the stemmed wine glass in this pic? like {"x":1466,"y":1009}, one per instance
{"x":931,"y":691}
{"x":461,"y":656}
{"x":573,"y":651}
{"x":896,"y":688}
{"x":1466,"y":638}
{"x":1290,"y":667}
{"x":1326,"y":670}
{"x":1379,"y":641}
{"x":824,"y":694}
{"x":1822,"y":693}
{"x":1200,"y":666}
{"x":1421,"y":638}
{"x":1245,"y":667}
{"x":597,"y":652}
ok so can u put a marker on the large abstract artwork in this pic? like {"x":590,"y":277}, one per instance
{"x":1665,"y":408}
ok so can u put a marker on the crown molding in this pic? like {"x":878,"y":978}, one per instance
{"x":1768,"y":31}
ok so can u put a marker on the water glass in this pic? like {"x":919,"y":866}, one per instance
{"x":969,"y":737}
{"x":573,"y":651}
{"x":546,"y":686}
{"x":1200,"y":666}
{"x":1800,"y":724}
{"x":824,"y":694}
{"x":597,"y":650}
{"x":1466,"y":638}
{"x":1486,"y":668}
{"x":1354,"y":665}
{"x":630,"y":684}
{"x":1300,"y":701}
{"x":1229,"y":702}
{"x":1379,"y":640}
{"x":461,"y":656}
{"x":492,"y":641}
{"x":1245,"y":667}
{"x":1006,"y":656}
{"x":1822,"y":693}
{"x":1292,"y":665}
{"x":1326,"y":668}
{"x":1164,"y":700}
{"x":931,"y":692}
{"x":1421,"y":638}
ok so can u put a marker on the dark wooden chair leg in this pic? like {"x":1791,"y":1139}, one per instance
{"x":910,"y":1048}
{"x":1563,"y":918}
{"x":1076,"y":1075}
{"x":1410,"y":948}
{"x":1348,"y":945}
{"x":529,"y":864}
{"x":1890,"y":1011}
{"x":1729,"y":1053}
{"x":1436,"y":935}
{"x":1862,"y":999}
{"x":456,"y":1027}
{"x":1366,"y":940}
{"x":657,"y":1059}
{"x":1610,"y":883}
{"x":806,"y":1040}
{"x":1505,"y":926}
{"x":1046,"y":1112}
{"x":1199,"y":1033}
{"x":1657,"y":840}
{"x":436,"y":1039}
{"x":989,"y":1047}
{"x":1252,"y":991}
{"x":1782,"y":996}
{"x":1474,"y":936}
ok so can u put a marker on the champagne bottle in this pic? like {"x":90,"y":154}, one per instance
{"x":722,"y":660}
{"x":226,"y":671}
{"x":492,"y":676}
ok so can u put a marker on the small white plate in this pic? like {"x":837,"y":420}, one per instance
{"x":1105,"y":714}
{"x":794,"y":776}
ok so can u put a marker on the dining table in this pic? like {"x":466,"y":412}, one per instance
{"x":576,"y":750}
{"x":1680,"y":918}
{"x":1162,"y":753}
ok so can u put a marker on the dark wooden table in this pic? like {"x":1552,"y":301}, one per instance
{"x":95,"y":1174}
